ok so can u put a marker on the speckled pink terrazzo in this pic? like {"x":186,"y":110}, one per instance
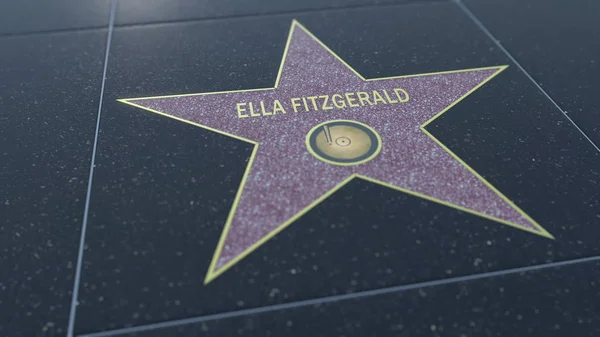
{"x":283,"y":179}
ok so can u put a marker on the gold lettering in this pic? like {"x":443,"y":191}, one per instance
{"x":277,"y":107}
{"x":363,"y":97}
{"x":350,"y":98}
{"x":262,"y":108}
{"x":312,"y":99}
{"x":377,"y":97}
{"x":400,"y":98}
{"x":295,"y":103}
{"x":388,"y":98}
{"x":305,"y":104}
{"x":252,"y":111}
{"x":240,"y":109}
{"x":339,"y":102}
{"x":325,"y":100}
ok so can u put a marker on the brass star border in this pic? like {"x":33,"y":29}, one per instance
{"x":213,"y":272}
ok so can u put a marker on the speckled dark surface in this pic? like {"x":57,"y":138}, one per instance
{"x":162,"y":189}
{"x":555,"y":302}
{"x":151,"y":11}
{"x":555,"y":41}
{"x":47,"y":115}
{"x":32,"y":16}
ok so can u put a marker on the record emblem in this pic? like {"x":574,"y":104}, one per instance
{"x":343,"y":142}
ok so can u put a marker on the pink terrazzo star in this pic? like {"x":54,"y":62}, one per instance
{"x":280,"y":183}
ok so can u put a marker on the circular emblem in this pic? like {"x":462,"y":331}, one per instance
{"x":343,"y":142}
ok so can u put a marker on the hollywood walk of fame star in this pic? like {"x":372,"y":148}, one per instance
{"x":288,"y":124}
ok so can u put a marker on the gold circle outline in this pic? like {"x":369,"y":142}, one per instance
{"x":310,"y":150}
